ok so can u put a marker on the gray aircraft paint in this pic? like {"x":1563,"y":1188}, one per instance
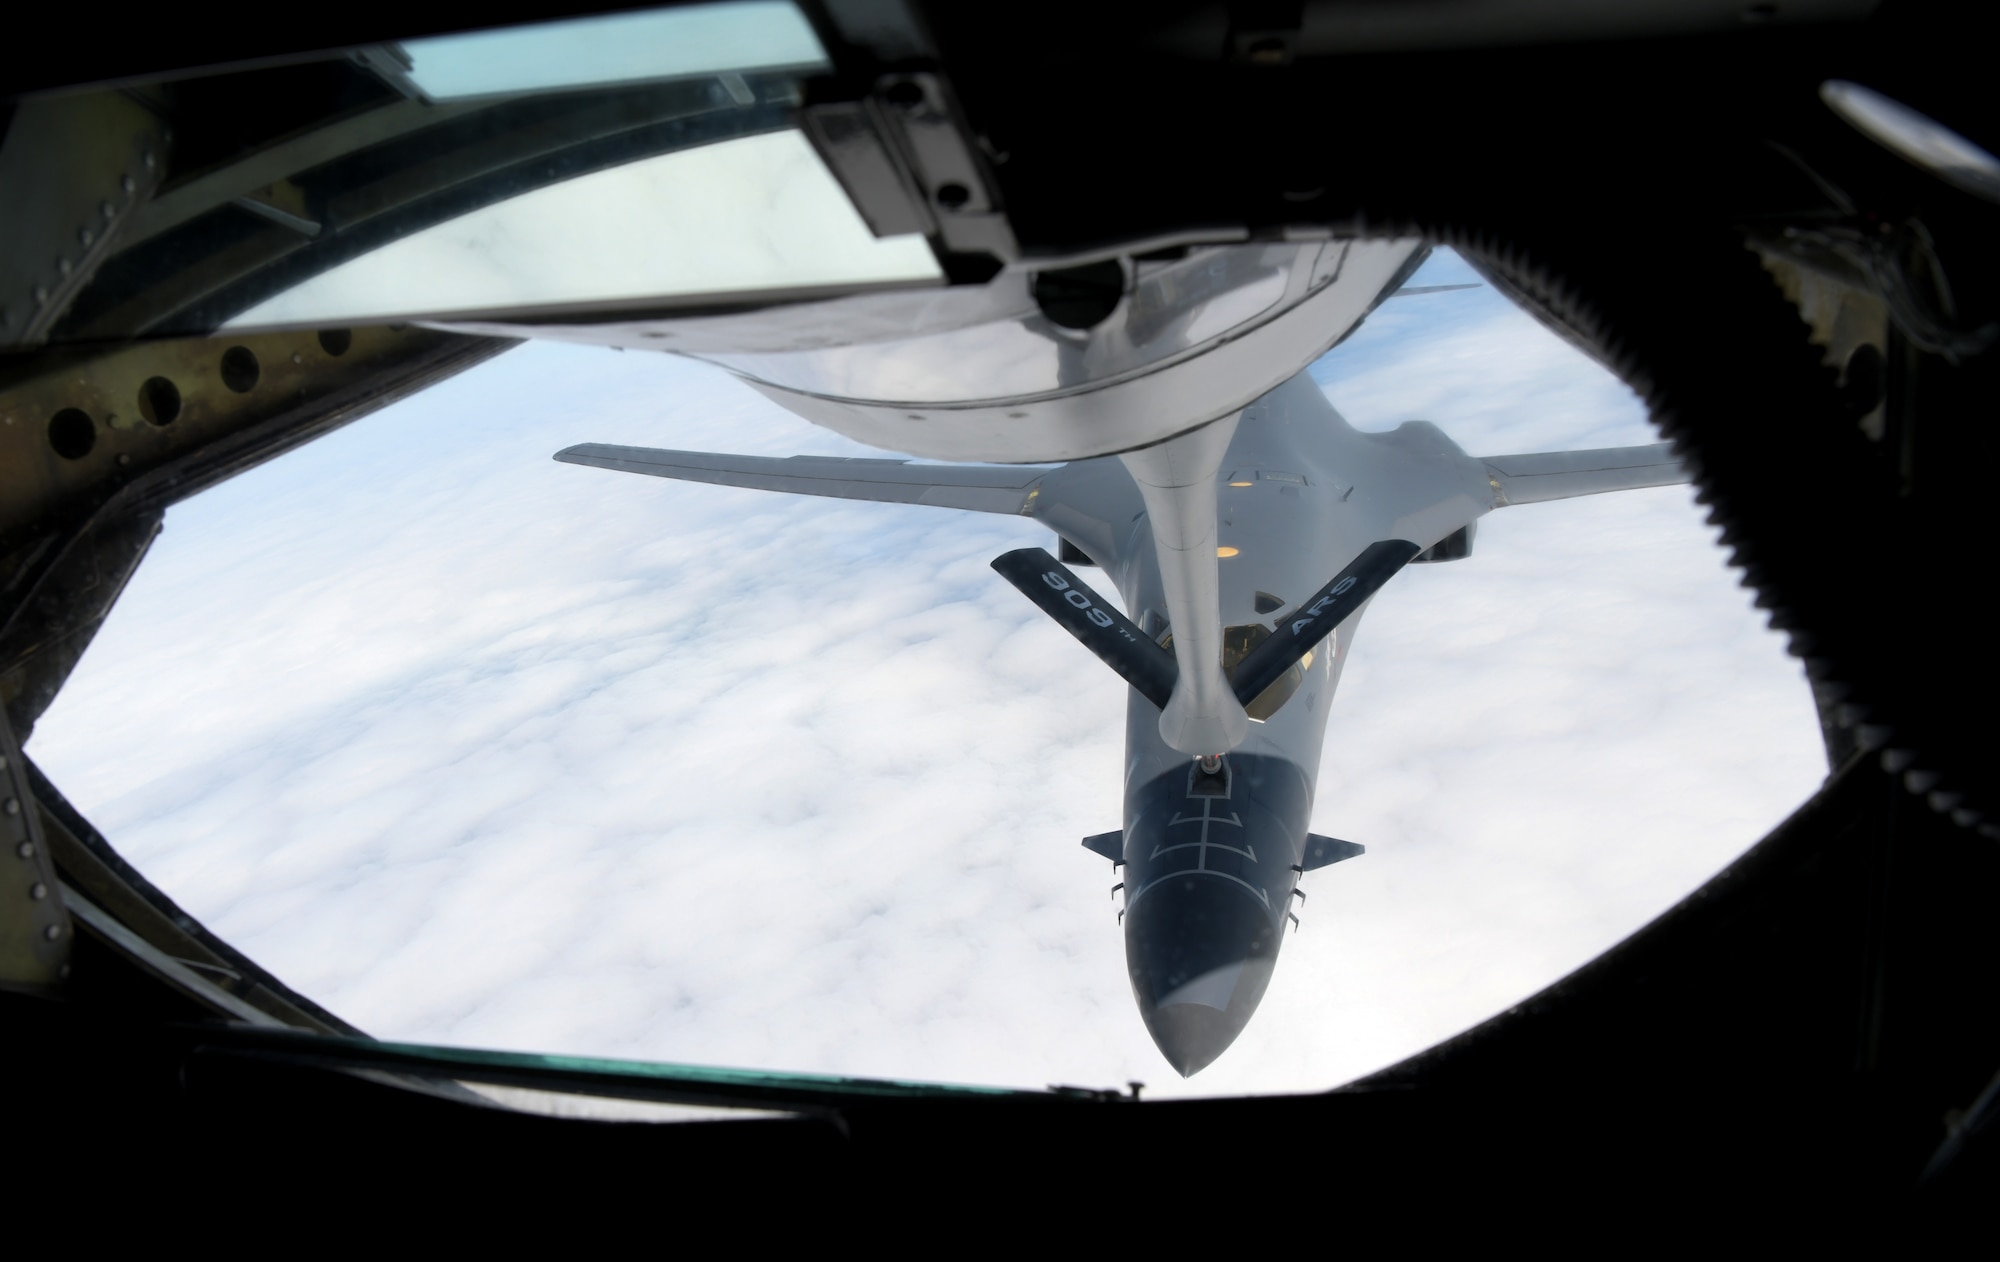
{"x":1211,"y":863}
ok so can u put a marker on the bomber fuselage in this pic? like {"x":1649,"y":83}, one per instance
{"x":1211,"y":860}
{"x":1306,"y":517}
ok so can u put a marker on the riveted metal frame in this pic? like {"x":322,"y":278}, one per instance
{"x":34,"y":926}
{"x":73,"y":528}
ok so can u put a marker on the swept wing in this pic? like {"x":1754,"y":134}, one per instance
{"x":1558,"y":475}
{"x":1007,"y":489}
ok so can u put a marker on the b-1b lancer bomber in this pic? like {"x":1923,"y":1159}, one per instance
{"x":1221,"y":541}
{"x":1154,"y":411}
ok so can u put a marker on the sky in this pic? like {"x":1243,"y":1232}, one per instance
{"x":480,"y":749}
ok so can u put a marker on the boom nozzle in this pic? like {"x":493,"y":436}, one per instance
{"x":1176,"y":478}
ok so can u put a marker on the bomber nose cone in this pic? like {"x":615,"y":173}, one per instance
{"x":1201,"y":952}
{"x":1192,"y":1033}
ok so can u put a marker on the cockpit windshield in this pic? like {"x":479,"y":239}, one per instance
{"x":1237,"y":641}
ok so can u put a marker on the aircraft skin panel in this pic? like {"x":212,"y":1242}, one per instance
{"x":1005,"y":489}
{"x":1559,"y":475}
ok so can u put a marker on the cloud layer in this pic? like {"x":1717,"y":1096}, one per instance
{"x":477,"y":748}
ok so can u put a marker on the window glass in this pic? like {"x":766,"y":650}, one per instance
{"x":617,"y":48}
{"x":478,"y":748}
{"x":752,"y":214}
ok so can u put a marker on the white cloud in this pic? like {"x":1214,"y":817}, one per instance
{"x":479,"y":748}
